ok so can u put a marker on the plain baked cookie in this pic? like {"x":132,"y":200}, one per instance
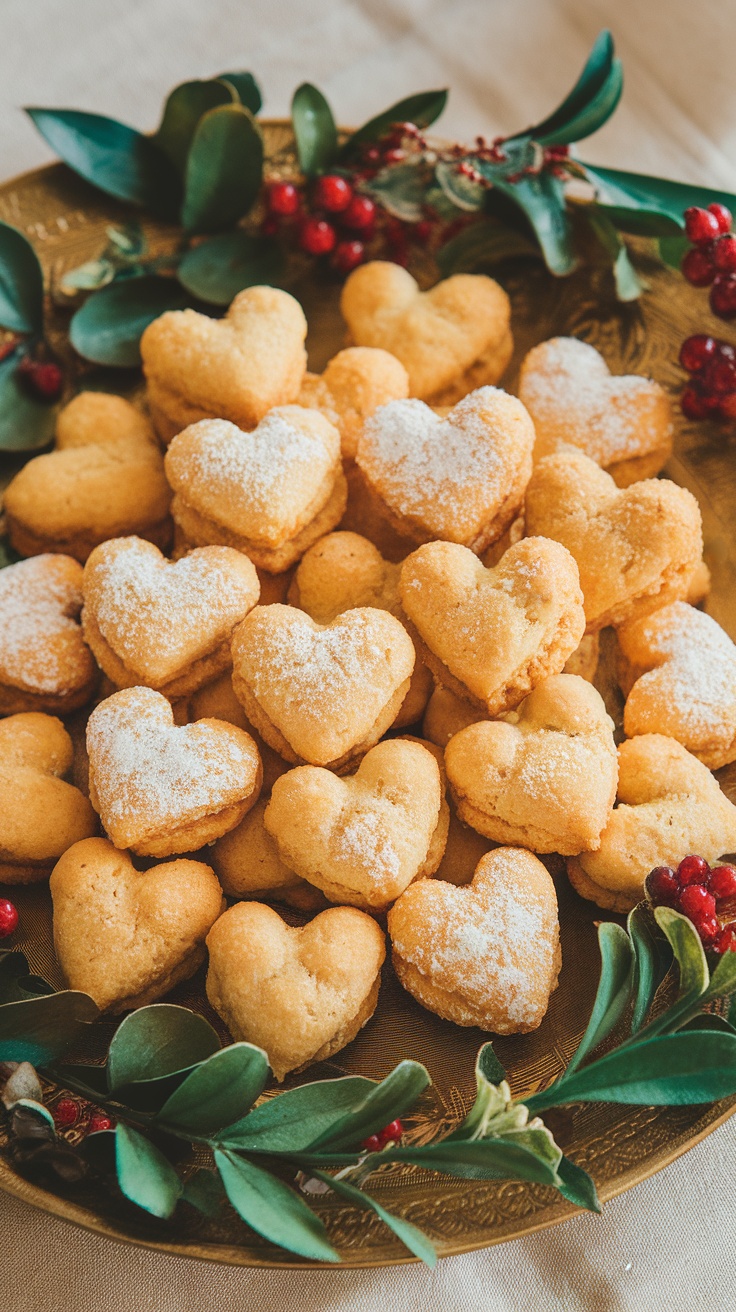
{"x":45,"y":664}
{"x":300,"y":994}
{"x":355,"y":382}
{"x":125,"y":936}
{"x":248,"y":865}
{"x":636,"y":547}
{"x":623,"y":422}
{"x":486,"y":954}
{"x":40,"y":814}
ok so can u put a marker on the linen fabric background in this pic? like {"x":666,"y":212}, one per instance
{"x":663,"y":1245}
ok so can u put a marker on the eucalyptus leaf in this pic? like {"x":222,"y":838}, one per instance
{"x":183,"y":109}
{"x":204,"y":1190}
{"x":401,"y":190}
{"x":629,"y":286}
{"x":640,"y":222}
{"x":295,"y":1119}
{"x":653,"y":958}
{"x":218,"y":1091}
{"x":577,"y":1186}
{"x":272,"y":1209}
{"x":688,"y":949}
{"x":246,"y":89}
{"x":145,"y":1176}
{"x":21,"y":283}
{"x":315,"y":131}
{"x":489,"y":1074}
{"x":112,"y":156}
{"x":421,"y":109}
{"x":478,"y":1159}
{"x":27,"y":423}
{"x":465,"y":193}
{"x":723,"y":979}
{"x":410,"y":1235}
{"x":595,"y":74}
{"x":109,"y":326}
{"x":158,"y":1040}
{"x":382,"y":1103}
{"x":614,"y":990}
{"x":541,"y":197}
{"x":224,"y":169}
{"x":217,"y":269}
{"x":487,"y":1065}
{"x":482,"y":245}
{"x":637,"y":191}
{"x":591,"y":116}
{"x":41,"y":1028}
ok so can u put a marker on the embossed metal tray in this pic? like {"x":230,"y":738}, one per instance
{"x":619,"y":1146}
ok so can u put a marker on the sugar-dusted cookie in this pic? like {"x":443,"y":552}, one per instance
{"x":217,"y":701}
{"x":636,"y":547}
{"x":248,"y":866}
{"x":270,"y":493}
{"x":321,"y":695}
{"x":301,"y":994}
{"x":40,"y":814}
{"x":343,"y":571}
{"x":490,"y":635}
{"x":461,"y":478}
{"x":235,"y":368}
{"x":366,"y":514}
{"x":361,"y":840}
{"x":622,"y":422}
{"x":669,"y":805}
{"x":584,"y":659}
{"x":678,"y":672}
{"x":128,"y":936}
{"x":446,"y":715}
{"x":487,"y":954}
{"x":45,"y":664}
{"x":463,"y":850}
{"x":450,"y":339}
{"x":164,"y":625}
{"x":545,"y":776}
{"x":354,"y":384}
{"x":161,"y":788}
{"x":105,"y":477}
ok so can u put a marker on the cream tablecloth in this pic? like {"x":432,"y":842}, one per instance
{"x":665,"y":1245}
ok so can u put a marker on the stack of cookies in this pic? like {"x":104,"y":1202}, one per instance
{"x":336,"y":650}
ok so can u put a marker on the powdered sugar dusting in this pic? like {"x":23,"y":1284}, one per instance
{"x":40,"y":601}
{"x":365,"y":839}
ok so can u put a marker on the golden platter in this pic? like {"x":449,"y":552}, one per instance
{"x":66,"y":221}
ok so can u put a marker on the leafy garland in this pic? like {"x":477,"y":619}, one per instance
{"x":166,"y":1078}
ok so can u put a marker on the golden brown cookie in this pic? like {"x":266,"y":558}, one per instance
{"x":248,"y":865}
{"x":624,"y":423}
{"x":636,"y":547}
{"x":217,"y":701}
{"x":125,"y":936}
{"x":235,"y":368}
{"x":490,"y":635}
{"x":463,"y":850}
{"x":487,"y":954}
{"x":584,"y":659}
{"x":45,"y":664}
{"x":354,"y":384}
{"x":446,"y":715}
{"x":300,"y":994}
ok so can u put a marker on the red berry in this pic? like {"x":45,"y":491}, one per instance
{"x":722,"y":216}
{"x":422,"y":230}
{"x":43,"y":377}
{"x":99,"y":1121}
{"x":719,"y":376}
{"x":372,"y":1144}
{"x":723,"y":295}
{"x":662,"y":886}
{"x":726,"y":940}
{"x":283,"y":198}
{"x":727,"y":406}
{"x":66,"y":1112}
{"x":360,"y":213}
{"x":696,"y":902}
{"x":394,"y":156}
{"x":270,"y":225}
{"x":701,"y":225}
{"x":696,"y":351}
{"x":372,"y":155}
{"x":693,"y":870}
{"x":723,"y":253}
{"x":317,"y":236}
{"x":348,"y":255}
{"x":708,"y":928}
{"x":697,"y":267}
{"x":332,"y":193}
{"x":8,"y":917}
{"x":722,"y":882}
{"x":694,"y":404}
{"x":392,"y":1133}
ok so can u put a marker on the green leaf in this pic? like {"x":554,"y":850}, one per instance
{"x":723,"y":979}
{"x":183,"y":109}
{"x":480,"y":246}
{"x":272,"y":1209}
{"x":410,"y":1235}
{"x":577,"y":1186}
{"x":112,"y":156}
{"x":653,"y":958}
{"x":640,"y":222}
{"x":145,"y":1176}
{"x":465,"y":193}
{"x":637,"y":191}
{"x":614,"y":990}
{"x":216,"y":270}
{"x":402,"y":190}
{"x":489,"y":1098}
{"x":224,"y":169}
{"x":218,"y":1091}
{"x":688,"y":949}
{"x":26,"y":422}
{"x":93,"y":1078}
{"x":709,"y":1021}
{"x":592,"y":116}
{"x":21,"y":283}
{"x":421,"y":109}
{"x":41,"y":1028}
{"x":294,"y":1120}
{"x":380,"y":1104}
{"x":158,"y":1040}
{"x":246,"y":88}
{"x":541,"y":197}
{"x":488,"y":1066}
{"x":204,"y":1190}
{"x":108,"y":327}
{"x":315,"y":132}
{"x":593,"y":78}
{"x":629,"y":286}
{"x":483,"y":1159}
{"x":672,"y":249}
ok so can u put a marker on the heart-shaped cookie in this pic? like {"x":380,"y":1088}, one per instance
{"x":40,"y":814}
{"x":636,"y":547}
{"x":270,"y":492}
{"x":361,"y":840}
{"x":105,"y":478}
{"x":355,"y":382}
{"x":669,"y":805}
{"x":450,"y":339}
{"x":321,"y":695}
{"x":162,"y":788}
{"x":128,"y":936}
{"x":234,"y":368}
{"x":679,"y":674}
{"x":490,"y":635}
{"x":486,"y":954}
{"x":45,"y":664}
{"x":301,"y":994}
{"x":461,"y":478}
{"x":165,"y":625}
{"x":622,"y":422}
{"x":247,"y":864}
{"x":513,"y":779}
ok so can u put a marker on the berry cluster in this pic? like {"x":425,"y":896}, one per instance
{"x":696,"y":890}
{"x":71,"y":1111}
{"x":8,"y":918}
{"x":711,"y":261}
{"x":389,"y":1134}
{"x":338,"y":223}
{"x":711,"y":364}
